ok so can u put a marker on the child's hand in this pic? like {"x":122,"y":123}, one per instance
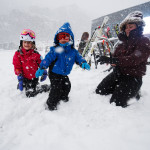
{"x":44,"y":76}
{"x":39,"y":72}
{"x":86,"y":66}
{"x":20,"y":85}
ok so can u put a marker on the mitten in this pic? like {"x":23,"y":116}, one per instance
{"x":86,"y":66}
{"x":20,"y":85}
{"x":39,"y":72}
{"x":44,"y":76}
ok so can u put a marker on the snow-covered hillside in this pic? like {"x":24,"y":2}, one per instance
{"x":43,"y":21}
{"x":86,"y":122}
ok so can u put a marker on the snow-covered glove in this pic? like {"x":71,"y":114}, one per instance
{"x":44,"y":76}
{"x":108,"y":60}
{"x":39,"y":72}
{"x":86,"y":66}
{"x":20,"y":85}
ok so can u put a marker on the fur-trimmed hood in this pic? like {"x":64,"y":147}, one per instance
{"x":134,"y":17}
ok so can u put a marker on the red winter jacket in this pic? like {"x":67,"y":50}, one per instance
{"x":26,"y":63}
{"x":133,"y":53}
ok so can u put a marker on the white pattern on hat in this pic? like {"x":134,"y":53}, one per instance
{"x":26,"y":38}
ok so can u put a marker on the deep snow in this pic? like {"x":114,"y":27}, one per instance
{"x":86,"y":122}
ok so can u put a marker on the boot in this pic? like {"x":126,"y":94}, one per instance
{"x":52,"y":105}
{"x":64,"y":99}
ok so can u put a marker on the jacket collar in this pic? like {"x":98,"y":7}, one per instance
{"x":67,"y":48}
{"x":25,"y":52}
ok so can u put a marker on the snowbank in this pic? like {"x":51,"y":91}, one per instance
{"x":86,"y":122}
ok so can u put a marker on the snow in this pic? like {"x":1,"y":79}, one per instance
{"x":59,"y":50}
{"x":86,"y":122}
{"x":147,"y":22}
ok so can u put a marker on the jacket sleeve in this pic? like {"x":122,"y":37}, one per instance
{"x":79,"y":59}
{"x":140,"y":54}
{"x":49,"y":58}
{"x":17,"y":64}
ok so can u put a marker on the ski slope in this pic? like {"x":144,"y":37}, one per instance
{"x":86,"y":122}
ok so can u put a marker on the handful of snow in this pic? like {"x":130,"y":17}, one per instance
{"x":59,"y":49}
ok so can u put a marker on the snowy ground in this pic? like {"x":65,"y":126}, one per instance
{"x":86,"y":122}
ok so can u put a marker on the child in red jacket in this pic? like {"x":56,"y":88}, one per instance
{"x":26,"y":61}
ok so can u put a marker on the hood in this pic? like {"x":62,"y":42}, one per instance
{"x":64,"y":28}
{"x":134,"y":17}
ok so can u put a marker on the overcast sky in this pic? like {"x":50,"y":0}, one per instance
{"x":94,"y":8}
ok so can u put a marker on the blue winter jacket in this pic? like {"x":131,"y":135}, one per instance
{"x":66,"y":56}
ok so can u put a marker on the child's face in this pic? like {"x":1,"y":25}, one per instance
{"x":63,"y":41}
{"x":63,"y":37}
{"x":27,"y":45}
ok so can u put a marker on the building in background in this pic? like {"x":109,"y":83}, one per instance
{"x":117,"y":17}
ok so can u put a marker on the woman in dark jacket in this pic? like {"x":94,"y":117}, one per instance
{"x":129,"y":60}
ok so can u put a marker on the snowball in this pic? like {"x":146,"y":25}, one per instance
{"x":59,"y":49}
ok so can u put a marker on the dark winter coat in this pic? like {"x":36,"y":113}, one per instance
{"x":133,"y":53}
{"x":26,"y":63}
{"x":66,"y":56}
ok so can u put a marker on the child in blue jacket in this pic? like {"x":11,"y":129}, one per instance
{"x":60,"y":61}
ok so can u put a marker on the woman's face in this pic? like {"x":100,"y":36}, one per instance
{"x":27,"y":45}
{"x":129,"y":27}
